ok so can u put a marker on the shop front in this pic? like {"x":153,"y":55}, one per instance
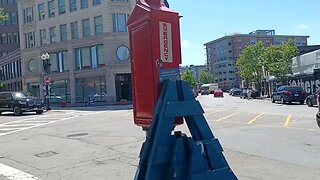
{"x":94,"y":88}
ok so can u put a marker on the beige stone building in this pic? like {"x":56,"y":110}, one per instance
{"x":87,"y":41}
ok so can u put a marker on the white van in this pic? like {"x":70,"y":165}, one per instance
{"x":209,"y":88}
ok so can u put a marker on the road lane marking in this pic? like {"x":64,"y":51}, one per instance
{"x":255,"y":118}
{"x":12,"y":125}
{"x":206,"y":114}
{"x":13,"y":174}
{"x":129,"y":114}
{"x":229,"y":116}
{"x":286,"y":123}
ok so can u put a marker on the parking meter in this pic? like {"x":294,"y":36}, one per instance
{"x":155,"y":54}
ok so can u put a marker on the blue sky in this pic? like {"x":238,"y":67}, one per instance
{"x":206,"y":20}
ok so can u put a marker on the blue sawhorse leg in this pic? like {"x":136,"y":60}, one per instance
{"x":166,"y":156}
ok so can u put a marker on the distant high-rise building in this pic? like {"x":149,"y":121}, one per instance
{"x":88,"y":45}
{"x":222,"y":53}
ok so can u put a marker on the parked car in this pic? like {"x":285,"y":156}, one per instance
{"x":236,"y":92}
{"x":254,"y":94}
{"x":195,"y":93}
{"x":288,"y":94}
{"x":231,"y":90}
{"x":318,"y":113}
{"x":311,"y":100}
{"x":19,"y":102}
{"x":218,"y":93}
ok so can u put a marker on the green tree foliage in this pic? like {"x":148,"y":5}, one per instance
{"x":187,"y":75}
{"x":250,"y":63}
{"x":206,"y":77}
{"x":3,"y":15}
{"x":277,"y":61}
{"x":281,"y":63}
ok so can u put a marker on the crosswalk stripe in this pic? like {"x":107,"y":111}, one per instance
{"x":13,"y":174}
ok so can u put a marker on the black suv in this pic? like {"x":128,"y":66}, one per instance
{"x":19,"y":102}
{"x":288,"y":94}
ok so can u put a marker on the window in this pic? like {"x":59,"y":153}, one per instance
{"x":28,"y":15}
{"x":119,"y":22}
{"x":123,"y":53}
{"x":94,"y":86}
{"x":42,"y":36}
{"x":73,"y":5}
{"x":41,"y":12}
{"x":9,"y":38}
{"x":96,"y":2}
{"x":59,"y":61}
{"x":15,"y":38}
{"x":84,"y":4}
{"x":3,"y":39}
{"x":51,"y":9}
{"x":98,"y":27}
{"x":13,"y":18}
{"x":89,"y":57}
{"x":52,"y":33}
{"x":63,"y":33}
{"x":62,"y":6}
{"x":29,"y":40}
{"x":74,"y":30}
{"x":85,"y":28}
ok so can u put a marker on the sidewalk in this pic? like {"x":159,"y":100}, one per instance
{"x":85,"y":106}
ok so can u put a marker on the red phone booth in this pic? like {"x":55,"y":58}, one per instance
{"x":155,"y":54}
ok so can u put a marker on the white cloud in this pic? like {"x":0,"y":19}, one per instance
{"x":185,"y":43}
{"x":302,"y":26}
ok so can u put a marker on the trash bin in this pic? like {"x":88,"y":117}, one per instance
{"x":63,"y":104}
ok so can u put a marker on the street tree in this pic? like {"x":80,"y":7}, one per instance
{"x":187,"y":75}
{"x":250,"y":62}
{"x":206,"y":77}
{"x":3,"y":15}
{"x":280,"y":60}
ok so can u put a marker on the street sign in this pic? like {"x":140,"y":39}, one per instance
{"x":47,"y":80}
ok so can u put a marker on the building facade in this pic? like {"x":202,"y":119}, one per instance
{"x":195,"y":69}
{"x":10,"y":61}
{"x":222,"y":53}
{"x":87,"y":41}
{"x":9,"y":29}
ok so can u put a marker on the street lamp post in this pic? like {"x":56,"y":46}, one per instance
{"x":46,"y":67}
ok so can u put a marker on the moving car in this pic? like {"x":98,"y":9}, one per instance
{"x":19,"y":102}
{"x":218,"y":93}
{"x":288,"y":94}
{"x":311,"y":100}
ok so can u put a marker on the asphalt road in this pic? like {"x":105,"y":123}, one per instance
{"x":261,"y":141}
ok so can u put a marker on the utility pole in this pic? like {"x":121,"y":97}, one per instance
{"x":46,"y":67}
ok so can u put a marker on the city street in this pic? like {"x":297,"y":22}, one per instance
{"x":261,"y":140}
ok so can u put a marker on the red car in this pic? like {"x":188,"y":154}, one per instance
{"x":218,"y":93}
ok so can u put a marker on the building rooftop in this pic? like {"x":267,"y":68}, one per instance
{"x":258,"y":32}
